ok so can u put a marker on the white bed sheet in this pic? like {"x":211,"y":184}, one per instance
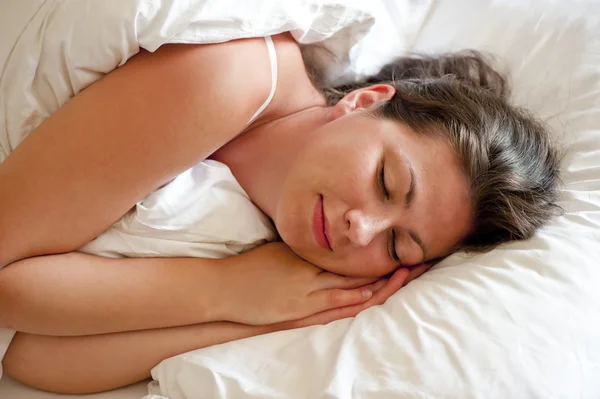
{"x":46,"y":55}
{"x":522,"y":321}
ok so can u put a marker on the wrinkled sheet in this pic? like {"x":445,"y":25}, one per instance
{"x":519,"y":322}
{"x":522,"y":321}
{"x":53,"y":49}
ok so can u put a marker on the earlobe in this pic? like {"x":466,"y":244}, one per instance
{"x":343,"y":107}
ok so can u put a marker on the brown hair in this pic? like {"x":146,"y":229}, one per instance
{"x":504,"y":151}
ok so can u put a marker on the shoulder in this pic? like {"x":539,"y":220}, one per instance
{"x":238,"y":72}
{"x":224,"y":82}
{"x":236,"y":75}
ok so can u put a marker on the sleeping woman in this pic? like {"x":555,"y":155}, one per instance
{"x":366,"y":185}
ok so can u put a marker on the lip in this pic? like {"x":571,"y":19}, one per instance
{"x":319,"y":224}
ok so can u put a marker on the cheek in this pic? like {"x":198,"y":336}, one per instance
{"x":292,"y":214}
{"x":346,"y":172}
{"x":368,"y":261}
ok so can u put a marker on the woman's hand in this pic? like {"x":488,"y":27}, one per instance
{"x":382,"y":289}
{"x":271,"y":284}
{"x":119,"y":359}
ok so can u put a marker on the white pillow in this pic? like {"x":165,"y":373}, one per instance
{"x":46,"y":56}
{"x":51,"y":50}
{"x":522,"y":321}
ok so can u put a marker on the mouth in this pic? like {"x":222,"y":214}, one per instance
{"x":319,"y":223}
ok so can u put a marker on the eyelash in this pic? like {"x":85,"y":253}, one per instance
{"x":386,"y":193}
{"x":382,"y":182}
{"x":395,"y":256}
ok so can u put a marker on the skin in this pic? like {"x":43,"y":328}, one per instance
{"x":175,"y":108}
{"x":338,"y":154}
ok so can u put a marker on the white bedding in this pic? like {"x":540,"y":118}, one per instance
{"x":69,"y":44}
{"x":52,"y":49}
{"x":522,"y":321}
{"x":519,"y":322}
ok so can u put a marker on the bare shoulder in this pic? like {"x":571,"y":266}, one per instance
{"x":124,"y":136}
{"x":237,"y":71}
{"x":292,"y":78}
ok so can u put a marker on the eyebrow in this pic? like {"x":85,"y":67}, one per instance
{"x":408,"y":200}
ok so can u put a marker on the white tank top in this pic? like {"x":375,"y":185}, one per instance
{"x":273,"y":59}
{"x":203,"y":212}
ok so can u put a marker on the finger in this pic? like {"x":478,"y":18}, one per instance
{"x":393,"y":284}
{"x":331,"y":280}
{"x":382,"y":290}
{"x":324,"y":317}
{"x":337,"y":298}
{"x":385,"y":289}
{"x":377,"y":285}
{"x":339,"y":313}
{"x":416,"y":272}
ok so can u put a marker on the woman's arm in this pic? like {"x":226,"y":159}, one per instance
{"x":123,"y":137}
{"x":80,"y":365}
{"x":101,"y":362}
{"x":80,"y":294}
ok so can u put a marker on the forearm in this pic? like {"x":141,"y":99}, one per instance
{"x":102,"y":362}
{"x":79,"y":294}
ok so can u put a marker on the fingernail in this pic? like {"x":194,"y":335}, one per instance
{"x":367,"y":293}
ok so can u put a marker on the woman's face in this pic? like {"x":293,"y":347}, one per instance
{"x":368,"y":195}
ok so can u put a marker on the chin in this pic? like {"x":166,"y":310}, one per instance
{"x":319,"y":261}
{"x":308,"y":256}
{"x":303,"y":253}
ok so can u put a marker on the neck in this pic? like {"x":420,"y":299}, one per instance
{"x":261,"y":158}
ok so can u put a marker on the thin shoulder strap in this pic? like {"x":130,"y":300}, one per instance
{"x":273,"y":58}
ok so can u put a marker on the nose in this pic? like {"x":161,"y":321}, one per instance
{"x":363,"y":227}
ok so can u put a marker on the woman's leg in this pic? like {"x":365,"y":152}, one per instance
{"x":96,"y":363}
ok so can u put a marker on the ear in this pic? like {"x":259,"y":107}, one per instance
{"x":363,"y":98}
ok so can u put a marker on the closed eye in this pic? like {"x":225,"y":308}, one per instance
{"x":392,"y":246}
{"x":382,"y":185}
{"x":392,"y":235}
